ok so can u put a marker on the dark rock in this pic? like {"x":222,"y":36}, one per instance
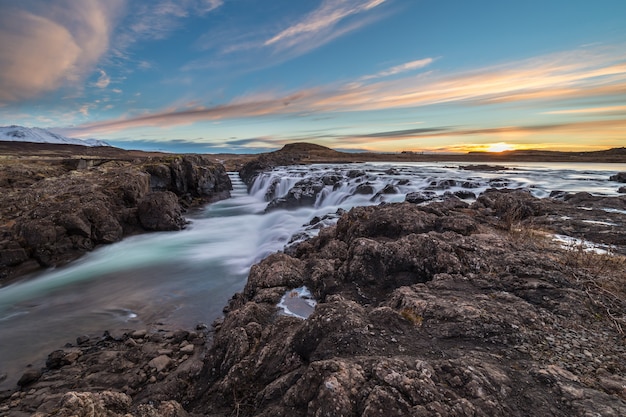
{"x":12,"y":256}
{"x":160,"y":211}
{"x":303,"y":193}
{"x":82,"y":340}
{"x":465,"y":194}
{"x":29,"y":377}
{"x":364,"y":189}
{"x":356,"y":173}
{"x":619,"y":177}
{"x":441,"y":184}
{"x":418,"y":197}
{"x":621,"y":190}
{"x":56,"y":360}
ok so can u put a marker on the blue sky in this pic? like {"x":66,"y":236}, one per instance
{"x":252,"y":75}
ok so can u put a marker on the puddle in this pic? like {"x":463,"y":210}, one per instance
{"x":297,"y":303}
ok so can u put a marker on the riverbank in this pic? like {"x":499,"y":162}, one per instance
{"x":58,"y":202}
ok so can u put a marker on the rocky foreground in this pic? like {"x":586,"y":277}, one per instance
{"x":444,"y":309}
{"x":58,"y":202}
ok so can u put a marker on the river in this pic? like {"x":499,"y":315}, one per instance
{"x":181,"y":279}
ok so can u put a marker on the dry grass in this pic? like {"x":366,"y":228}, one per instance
{"x":603,"y":277}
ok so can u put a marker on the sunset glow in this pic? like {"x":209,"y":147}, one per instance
{"x":228,"y":76}
{"x":500,"y":147}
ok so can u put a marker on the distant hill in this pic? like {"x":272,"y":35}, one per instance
{"x":38,"y":135}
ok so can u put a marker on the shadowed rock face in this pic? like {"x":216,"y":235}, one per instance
{"x":54,"y":210}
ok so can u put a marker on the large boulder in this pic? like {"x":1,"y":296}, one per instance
{"x":160,"y":211}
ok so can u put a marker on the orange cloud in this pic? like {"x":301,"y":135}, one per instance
{"x":46,"y":48}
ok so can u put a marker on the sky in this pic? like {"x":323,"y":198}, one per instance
{"x":247,"y":76}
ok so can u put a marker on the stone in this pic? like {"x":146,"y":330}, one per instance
{"x":161,"y":363}
{"x":160,"y":211}
{"x":29,"y":377}
{"x":619,"y":177}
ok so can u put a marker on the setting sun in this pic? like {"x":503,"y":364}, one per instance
{"x":500,"y":147}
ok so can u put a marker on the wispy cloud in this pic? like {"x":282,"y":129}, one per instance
{"x":399,"y":69}
{"x":44,"y":47}
{"x":326,"y":18}
{"x":103,"y":80}
{"x":157,"y":20}
{"x":591,"y":110}
{"x":263,"y":46}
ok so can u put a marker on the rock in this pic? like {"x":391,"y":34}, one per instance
{"x":621,"y":190}
{"x":94,"y":404}
{"x":418,"y":197}
{"x":303,"y":193}
{"x":364,"y":189}
{"x":12,"y":256}
{"x":29,"y":377}
{"x":81,"y":340}
{"x":619,"y":177}
{"x":56,"y":360}
{"x":160,"y":211}
{"x":161,"y":363}
{"x":187,"y":349}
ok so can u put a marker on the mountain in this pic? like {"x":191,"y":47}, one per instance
{"x":38,"y":135}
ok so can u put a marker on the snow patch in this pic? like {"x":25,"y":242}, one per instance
{"x":38,"y":135}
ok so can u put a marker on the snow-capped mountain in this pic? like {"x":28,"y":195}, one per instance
{"x":38,"y":135}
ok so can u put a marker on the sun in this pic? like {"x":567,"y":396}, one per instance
{"x":500,"y":147}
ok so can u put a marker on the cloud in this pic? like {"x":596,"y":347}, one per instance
{"x":157,"y":20}
{"x":317,"y":27}
{"x":103,"y":81}
{"x":565,"y":76}
{"x":592,"y":110}
{"x":595,"y":128}
{"x":398,"y":69}
{"x":47,"y":47}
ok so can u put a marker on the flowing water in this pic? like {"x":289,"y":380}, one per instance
{"x":180,"y":279}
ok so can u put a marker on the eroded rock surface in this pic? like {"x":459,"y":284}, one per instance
{"x":445,"y":309}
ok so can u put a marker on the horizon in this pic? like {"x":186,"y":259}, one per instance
{"x":219,"y":76}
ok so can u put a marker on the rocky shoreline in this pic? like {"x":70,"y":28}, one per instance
{"x":435,"y":308}
{"x":54,"y":209}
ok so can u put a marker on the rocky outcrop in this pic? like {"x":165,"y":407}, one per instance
{"x":125,"y":373}
{"x":52,"y":211}
{"x":290,"y":154}
{"x":445,"y":309}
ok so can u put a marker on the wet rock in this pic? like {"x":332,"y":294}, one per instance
{"x":418,"y":197}
{"x":621,"y":190}
{"x":364,"y":189}
{"x":303,"y":193}
{"x":619,"y":177}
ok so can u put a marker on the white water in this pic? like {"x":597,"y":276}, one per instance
{"x":184,"y":278}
